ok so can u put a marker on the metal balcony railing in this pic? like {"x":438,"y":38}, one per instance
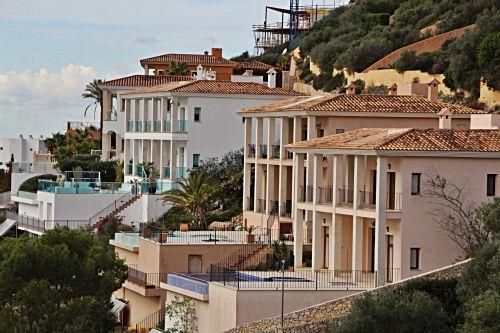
{"x":251,"y":150}
{"x":145,"y":280}
{"x":263,"y":151}
{"x":288,"y":155}
{"x":275,"y":151}
{"x":286,"y":209}
{"x":345,"y":197}
{"x":250,"y":204}
{"x":130,"y":126}
{"x":325,"y":194}
{"x":261,"y":205}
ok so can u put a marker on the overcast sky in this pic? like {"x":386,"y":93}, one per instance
{"x":50,"y":49}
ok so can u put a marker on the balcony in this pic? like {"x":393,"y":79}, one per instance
{"x":286,"y":209}
{"x":261,"y":205}
{"x":167,"y":126}
{"x":166,"y":172}
{"x":157,"y":126}
{"x":182,"y":126}
{"x":82,"y":187}
{"x":110,"y":116}
{"x":148,"y":126}
{"x":263,"y":151}
{"x":250,"y":203}
{"x":130,"y":126}
{"x":345,"y":197}
{"x":251,"y":150}
{"x":305,"y":193}
{"x":180,"y":172}
{"x":288,"y":155}
{"x":138,"y":126}
{"x":325,"y":194}
{"x":275,"y":151}
{"x":126,"y":239}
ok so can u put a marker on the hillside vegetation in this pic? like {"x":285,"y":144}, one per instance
{"x":356,"y":36}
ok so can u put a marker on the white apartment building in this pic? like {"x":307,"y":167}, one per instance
{"x":268,"y":168}
{"x":177,"y":125}
{"x":20,"y":150}
{"x":114,"y":119}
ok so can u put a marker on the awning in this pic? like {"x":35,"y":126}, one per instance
{"x":6,"y":226}
{"x":118,"y":305}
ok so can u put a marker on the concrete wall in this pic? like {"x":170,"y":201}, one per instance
{"x":139,"y":306}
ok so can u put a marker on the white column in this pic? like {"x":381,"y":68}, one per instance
{"x":336,"y":256}
{"x":317,"y":234}
{"x":269,"y":188}
{"x":173,"y":159}
{"x":380,"y":220}
{"x":247,"y":166}
{"x":296,"y":137}
{"x":311,"y":134}
{"x":259,"y":132}
{"x":271,"y":130}
{"x":298,"y":223}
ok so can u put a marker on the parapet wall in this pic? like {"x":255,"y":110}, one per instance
{"x":316,"y":318}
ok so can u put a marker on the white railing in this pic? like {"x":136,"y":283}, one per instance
{"x":44,"y":158}
{"x":111,"y":208}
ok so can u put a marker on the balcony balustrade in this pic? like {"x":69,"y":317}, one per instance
{"x":325,"y":194}
{"x":345,"y":197}
{"x":180,"y":172}
{"x":250,"y":204}
{"x":148,"y":125}
{"x":286,"y":209}
{"x":182,"y":126}
{"x":157,"y":126}
{"x":251,"y":150}
{"x":261,"y":205}
{"x":288,"y":155}
{"x":263,"y":151}
{"x":130,"y":126}
{"x":167,"y":126}
{"x":138,"y":126}
{"x":166,"y":172}
{"x":275,"y":151}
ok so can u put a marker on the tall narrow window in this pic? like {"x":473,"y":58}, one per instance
{"x":415,"y":183}
{"x":197,"y":114}
{"x":196,"y":160}
{"x":415,"y":258}
{"x":491,"y":180}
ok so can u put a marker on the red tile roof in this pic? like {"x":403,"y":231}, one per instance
{"x":144,"y":80}
{"x":190,"y":59}
{"x":254,"y":65}
{"x":217,"y":87}
{"x":362,"y":103}
{"x":404,"y":139}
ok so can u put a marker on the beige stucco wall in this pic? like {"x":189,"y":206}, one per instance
{"x":418,"y":227}
{"x":488,"y":96}
{"x":139,"y":306}
{"x":228,"y":307}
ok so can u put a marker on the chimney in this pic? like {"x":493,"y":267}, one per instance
{"x":350,"y":89}
{"x":432,"y":90}
{"x":216,"y":53}
{"x":205,"y":53}
{"x":393,"y":90}
{"x":445,"y":116}
{"x":199,"y":72}
{"x":271,"y":78}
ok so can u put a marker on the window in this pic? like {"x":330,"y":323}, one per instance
{"x":195,"y":264}
{"x":491,"y":180}
{"x":197,"y":114}
{"x":321,"y":133}
{"x":415,"y":183}
{"x":196,"y":160}
{"x":415,"y":258}
{"x":339,"y":131}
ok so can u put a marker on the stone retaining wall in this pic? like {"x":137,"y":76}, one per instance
{"x":315,"y":319}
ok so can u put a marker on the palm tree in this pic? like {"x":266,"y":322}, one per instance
{"x":178,"y":69}
{"x":195,"y":195}
{"x":93,"y":92}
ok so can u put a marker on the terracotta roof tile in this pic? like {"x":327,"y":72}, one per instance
{"x":255,"y":65}
{"x":363,"y":103}
{"x":393,"y":139}
{"x":144,"y":80}
{"x":217,"y":87}
{"x":190,"y":59}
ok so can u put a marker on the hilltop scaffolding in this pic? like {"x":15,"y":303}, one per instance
{"x":294,"y":21}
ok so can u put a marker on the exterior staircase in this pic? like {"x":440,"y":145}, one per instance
{"x":108,"y":213}
{"x":256,"y":258}
{"x":248,"y":254}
